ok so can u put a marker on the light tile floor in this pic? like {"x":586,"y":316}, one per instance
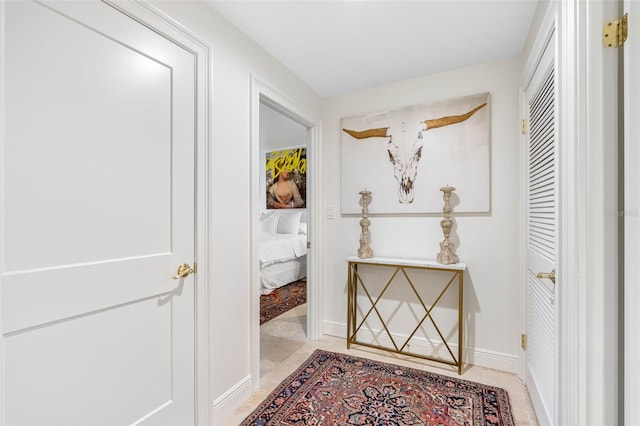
{"x":284,"y":346}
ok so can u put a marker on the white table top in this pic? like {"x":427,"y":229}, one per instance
{"x":423,"y":263}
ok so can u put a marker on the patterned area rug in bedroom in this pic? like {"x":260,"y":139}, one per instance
{"x":282,"y":299}
{"x":338,"y":389}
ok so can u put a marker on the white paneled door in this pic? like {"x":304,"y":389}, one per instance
{"x":542,"y":234}
{"x":97,"y":209}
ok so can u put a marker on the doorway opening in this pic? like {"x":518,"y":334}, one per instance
{"x":283,"y":142}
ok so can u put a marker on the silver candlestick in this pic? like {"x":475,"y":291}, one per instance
{"x":447,"y":256}
{"x":365,"y":252}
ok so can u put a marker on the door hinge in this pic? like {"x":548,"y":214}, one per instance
{"x":614,"y":33}
{"x":308,"y":244}
{"x":523,"y":126}
{"x":523,"y":341}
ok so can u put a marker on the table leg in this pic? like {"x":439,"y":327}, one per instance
{"x":460,"y":322}
{"x":349,"y":302}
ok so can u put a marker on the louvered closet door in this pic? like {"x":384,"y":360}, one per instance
{"x":541,"y":235}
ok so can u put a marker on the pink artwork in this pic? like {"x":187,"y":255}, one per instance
{"x":286,"y":177}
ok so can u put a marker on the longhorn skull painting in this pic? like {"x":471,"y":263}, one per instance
{"x":417,"y":150}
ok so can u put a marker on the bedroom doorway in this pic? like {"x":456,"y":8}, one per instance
{"x":283,"y":211}
{"x":284,"y":204}
{"x":283,"y":236}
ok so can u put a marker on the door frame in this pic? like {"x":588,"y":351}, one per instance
{"x":601,"y":189}
{"x":588,"y":327}
{"x":263,"y":93}
{"x":588,"y":253}
{"x":631,"y":214}
{"x":151,"y":17}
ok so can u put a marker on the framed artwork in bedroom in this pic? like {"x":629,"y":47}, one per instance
{"x":405,"y":155}
{"x":286,"y":177}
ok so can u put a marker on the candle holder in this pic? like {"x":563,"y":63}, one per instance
{"x":365,"y":252}
{"x":447,"y":256}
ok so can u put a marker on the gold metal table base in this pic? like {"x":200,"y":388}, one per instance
{"x":401,"y":265}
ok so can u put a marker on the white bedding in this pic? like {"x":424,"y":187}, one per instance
{"x":279,"y":274}
{"x":280,"y":247}
{"x":282,"y":260}
{"x":283,"y":248}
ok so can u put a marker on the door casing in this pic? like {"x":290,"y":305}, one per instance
{"x":631,"y":215}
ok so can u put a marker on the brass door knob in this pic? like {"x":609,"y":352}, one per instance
{"x":183,"y":271}
{"x":551,"y":275}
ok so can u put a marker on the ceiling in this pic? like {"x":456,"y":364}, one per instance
{"x":278,"y":131}
{"x":338,"y":46}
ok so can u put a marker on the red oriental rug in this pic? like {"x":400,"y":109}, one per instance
{"x":338,"y":389}
{"x":282,"y":299}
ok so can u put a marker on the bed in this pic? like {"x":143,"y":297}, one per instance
{"x":283,"y":249}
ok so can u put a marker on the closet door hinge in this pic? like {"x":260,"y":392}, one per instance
{"x":308,"y":244}
{"x":614,"y":33}
{"x":523,"y":341}
{"x":523,"y":126}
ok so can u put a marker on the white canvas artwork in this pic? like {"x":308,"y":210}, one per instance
{"x":405,"y":156}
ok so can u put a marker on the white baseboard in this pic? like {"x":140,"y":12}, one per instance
{"x":231,"y":399}
{"x":476,"y":356}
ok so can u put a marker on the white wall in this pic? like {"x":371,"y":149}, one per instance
{"x":489,"y":243}
{"x":234,"y":59}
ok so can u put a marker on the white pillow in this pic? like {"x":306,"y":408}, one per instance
{"x":289,"y":223}
{"x":269,"y":223}
{"x":303,"y":228}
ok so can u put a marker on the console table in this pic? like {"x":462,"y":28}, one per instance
{"x":400,"y":266}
